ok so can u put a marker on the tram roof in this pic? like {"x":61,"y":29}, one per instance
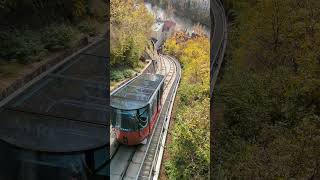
{"x":137,"y":93}
{"x":65,"y":110}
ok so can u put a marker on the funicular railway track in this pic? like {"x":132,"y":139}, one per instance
{"x":146,"y":168}
{"x":138,"y":162}
{"x":172,"y":70}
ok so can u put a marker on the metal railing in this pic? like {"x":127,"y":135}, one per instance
{"x":218,"y":57}
{"x":168,"y":103}
{"x":161,"y":142}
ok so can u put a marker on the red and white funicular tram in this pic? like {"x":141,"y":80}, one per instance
{"x":135,"y":108}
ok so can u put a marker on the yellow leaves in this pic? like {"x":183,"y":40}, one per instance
{"x":79,"y":8}
{"x":190,"y":149}
{"x":130,"y":29}
{"x":171,"y":47}
{"x":194,"y":55}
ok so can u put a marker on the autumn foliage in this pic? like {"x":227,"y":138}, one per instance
{"x":130,"y":31}
{"x":190,"y":148}
{"x":269,"y":93}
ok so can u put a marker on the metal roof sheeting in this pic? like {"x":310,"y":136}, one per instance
{"x":137,"y":93}
{"x":65,"y":110}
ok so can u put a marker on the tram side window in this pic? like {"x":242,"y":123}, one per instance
{"x":113,"y":117}
{"x":143,"y":115}
{"x":161,"y":89}
{"x":154,"y":106}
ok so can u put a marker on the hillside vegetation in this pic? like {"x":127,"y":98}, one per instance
{"x":189,"y":151}
{"x":130,"y":26}
{"x":37,"y":13}
{"x":269,"y":94}
{"x":30,"y":30}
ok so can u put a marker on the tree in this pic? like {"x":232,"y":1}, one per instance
{"x":79,"y":8}
{"x":169,"y":10}
{"x":189,"y":150}
{"x":130,"y":25}
{"x":269,"y":93}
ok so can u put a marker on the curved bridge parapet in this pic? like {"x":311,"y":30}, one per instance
{"x":218,"y":40}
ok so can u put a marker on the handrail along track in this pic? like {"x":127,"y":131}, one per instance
{"x":151,"y":155}
{"x":165,"y":127}
{"x":219,"y":38}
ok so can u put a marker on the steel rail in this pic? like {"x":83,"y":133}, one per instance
{"x":152,"y":136}
{"x":216,"y":61}
{"x":164,"y":121}
{"x":129,"y":161}
{"x":117,"y":145}
{"x":165,"y":128}
{"x":169,"y":73}
{"x":167,"y":81}
{"x":149,"y":165}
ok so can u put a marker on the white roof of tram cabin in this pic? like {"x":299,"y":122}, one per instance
{"x":137,"y":93}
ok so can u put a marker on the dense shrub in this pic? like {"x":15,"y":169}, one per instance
{"x":116,"y":75}
{"x":23,"y":46}
{"x":121,"y":74}
{"x":130,"y":27}
{"x":128,"y":73}
{"x":87,"y":27}
{"x":268,"y":100}
{"x":30,"y":41}
{"x":57,"y":37}
{"x":43,"y":12}
{"x":190,"y":148}
{"x":98,"y":9}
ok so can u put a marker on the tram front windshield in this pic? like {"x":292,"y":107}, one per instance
{"x":130,"y":120}
{"x":32,"y":165}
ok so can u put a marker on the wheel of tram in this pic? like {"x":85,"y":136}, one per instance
{"x":135,"y":108}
